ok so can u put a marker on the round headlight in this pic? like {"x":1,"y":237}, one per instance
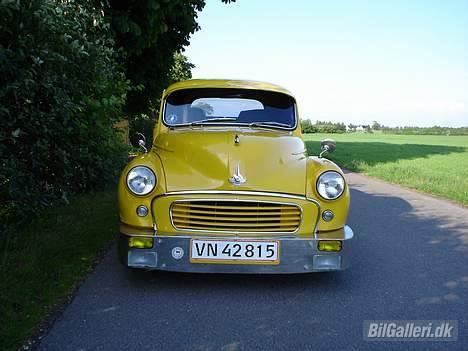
{"x":330,"y":185}
{"x":141,"y":180}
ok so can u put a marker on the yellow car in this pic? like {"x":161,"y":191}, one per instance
{"x":228,"y":187}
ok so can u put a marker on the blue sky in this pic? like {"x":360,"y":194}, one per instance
{"x":398,"y":62}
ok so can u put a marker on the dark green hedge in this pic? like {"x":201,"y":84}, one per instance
{"x":61,"y":90}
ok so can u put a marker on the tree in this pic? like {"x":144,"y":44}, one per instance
{"x":61,"y":91}
{"x":307,"y":127}
{"x":329,"y":127}
{"x":181,"y":69}
{"x":376,"y":125}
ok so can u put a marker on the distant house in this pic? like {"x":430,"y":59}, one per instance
{"x":360,"y":128}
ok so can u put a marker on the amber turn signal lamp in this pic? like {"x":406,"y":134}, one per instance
{"x":329,"y":245}
{"x":140,"y":243}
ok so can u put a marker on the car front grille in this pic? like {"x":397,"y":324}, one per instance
{"x":236,"y":216}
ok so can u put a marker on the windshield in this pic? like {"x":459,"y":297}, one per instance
{"x":230,"y":107}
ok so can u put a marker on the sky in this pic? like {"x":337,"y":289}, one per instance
{"x":398,"y":62}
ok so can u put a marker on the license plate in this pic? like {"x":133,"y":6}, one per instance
{"x":234,"y":251}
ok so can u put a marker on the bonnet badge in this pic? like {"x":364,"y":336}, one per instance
{"x":237,"y":178}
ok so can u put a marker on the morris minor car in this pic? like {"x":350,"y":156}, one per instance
{"x":227,"y":186}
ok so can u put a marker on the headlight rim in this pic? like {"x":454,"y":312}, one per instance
{"x":155,"y":180}
{"x":317,"y":183}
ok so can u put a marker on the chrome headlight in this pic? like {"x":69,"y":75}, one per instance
{"x":141,"y":180}
{"x":330,"y":185}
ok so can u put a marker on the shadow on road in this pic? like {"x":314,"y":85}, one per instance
{"x":232,"y":282}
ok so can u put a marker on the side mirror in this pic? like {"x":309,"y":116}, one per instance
{"x":327,"y":146}
{"x":142,"y":142}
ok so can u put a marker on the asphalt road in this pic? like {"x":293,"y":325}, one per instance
{"x":410,"y":262}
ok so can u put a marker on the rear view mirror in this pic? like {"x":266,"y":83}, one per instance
{"x":139,"y":140}
{"x":327,"y":146}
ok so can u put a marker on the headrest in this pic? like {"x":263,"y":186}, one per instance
{"x":252,"y":116}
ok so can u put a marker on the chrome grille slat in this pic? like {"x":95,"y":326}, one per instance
{"x":246,"y":213}
{"x":287,"y":230}
{"x":216,"y":222}
{"x":231,"y":207}
{"x":243,"y":216}
{"x":231,"y":218}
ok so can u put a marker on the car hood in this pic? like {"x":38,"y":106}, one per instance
{"x":206,"y":159}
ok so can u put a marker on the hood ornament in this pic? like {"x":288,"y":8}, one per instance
{"x":237,"y":178}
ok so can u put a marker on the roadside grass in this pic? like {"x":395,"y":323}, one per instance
{"x":433,"y":164}
{"x":42,"y":262}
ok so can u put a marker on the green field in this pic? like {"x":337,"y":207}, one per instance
{"x":436,"y":165}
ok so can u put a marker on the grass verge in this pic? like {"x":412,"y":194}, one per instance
{"x":42,"y":263}
{"x":433,"y":164}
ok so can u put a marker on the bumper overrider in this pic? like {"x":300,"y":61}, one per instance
{"x":327,"y":251}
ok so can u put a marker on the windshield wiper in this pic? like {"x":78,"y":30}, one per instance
{"x":270,"y":124}
{"x":214,"y":119}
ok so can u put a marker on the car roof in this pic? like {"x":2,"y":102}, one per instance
{"x":226,"y":83}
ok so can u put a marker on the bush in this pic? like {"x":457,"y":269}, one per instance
{"x":61,"y":91}
{"x":435,"y":130}
{"x":322,"y":127}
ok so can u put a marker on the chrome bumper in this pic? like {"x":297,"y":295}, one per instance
{"x":296,"y":256}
